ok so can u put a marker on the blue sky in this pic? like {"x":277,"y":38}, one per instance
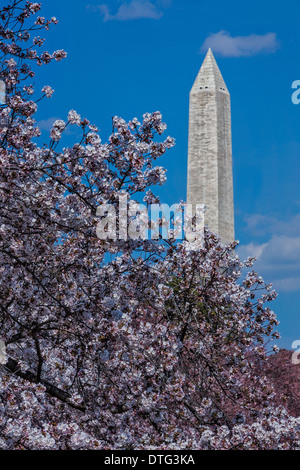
{"x":129,"y":57}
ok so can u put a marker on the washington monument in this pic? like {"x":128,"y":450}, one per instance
{"x":209,"y":149}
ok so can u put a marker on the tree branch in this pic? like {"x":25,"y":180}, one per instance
{"x":54,"y":391}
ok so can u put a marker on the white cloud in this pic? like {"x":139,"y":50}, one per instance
{"x":258,"y":225}
{"x":278,"y":257}
{"x":290,"y":284}
{"x":222,"y":43}
{"x":46,"y":124}
{"x":253,"y":250}
{"x":133,"y":10}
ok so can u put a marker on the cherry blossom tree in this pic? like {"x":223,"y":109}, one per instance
{"x":115,"y":343}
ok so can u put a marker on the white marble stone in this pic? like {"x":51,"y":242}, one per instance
{"x":210,"y":150}
{"x":2,"y":92}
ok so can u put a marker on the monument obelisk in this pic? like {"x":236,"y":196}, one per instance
{"x":2,"y":92}
{"x":210,"y":149}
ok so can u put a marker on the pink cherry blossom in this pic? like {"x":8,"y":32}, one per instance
{"x":115,"y":343}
